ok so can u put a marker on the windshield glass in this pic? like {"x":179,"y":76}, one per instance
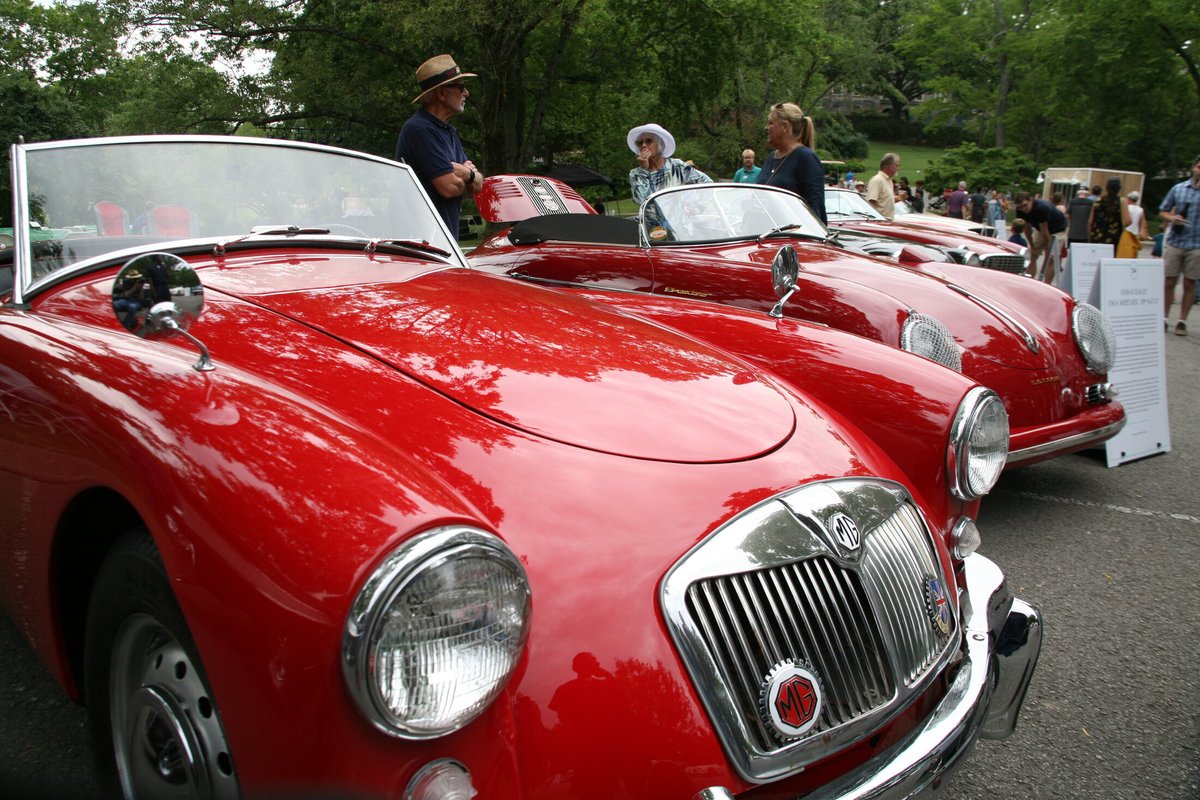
{"x":88,"y":198}
{"x":840,"y":203}
{"x":716,"y":212}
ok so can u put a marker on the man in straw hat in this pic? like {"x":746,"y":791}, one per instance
{"x":430,"y":145}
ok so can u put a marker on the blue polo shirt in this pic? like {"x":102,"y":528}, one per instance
{"x":428,"y":145}
{"x":1184,"y":199}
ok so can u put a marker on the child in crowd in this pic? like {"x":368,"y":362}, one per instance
{"x":1018,"y":233}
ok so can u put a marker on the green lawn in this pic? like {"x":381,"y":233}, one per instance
{"x":914,"y":160}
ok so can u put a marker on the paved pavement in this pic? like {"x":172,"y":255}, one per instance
{"x":1111,"y":556}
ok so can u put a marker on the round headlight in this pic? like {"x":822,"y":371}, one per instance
{"x":436,"y":632}
{"x":1094,"y":336}
{"x":978,"y":444}
{"x":927,"y":336}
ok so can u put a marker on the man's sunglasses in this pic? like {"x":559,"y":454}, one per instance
{"x":459,"y":86}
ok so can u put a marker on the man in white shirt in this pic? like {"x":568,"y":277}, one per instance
{"x":881,"y":191}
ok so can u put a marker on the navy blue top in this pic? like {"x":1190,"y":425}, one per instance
{"x":800,"y":171}
{"x":1040,"y":212}
{"x":428,"y":145}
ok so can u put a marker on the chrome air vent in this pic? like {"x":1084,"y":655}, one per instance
{"x":831,"y":594}
{"x":544,"y":195}
{"x":1005,"y":263}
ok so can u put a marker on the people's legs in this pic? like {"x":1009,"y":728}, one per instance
{"x":1191,"y":271}
{"x":1037,"y":246}
{"x":1172,"y":266}
{"x":1052,"y":269}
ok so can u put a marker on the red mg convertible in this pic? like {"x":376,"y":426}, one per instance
{"x":1046,"y":355}
{"x":302,"y":506}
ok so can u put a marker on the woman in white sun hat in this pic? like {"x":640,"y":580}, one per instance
{"x":654,"y":145}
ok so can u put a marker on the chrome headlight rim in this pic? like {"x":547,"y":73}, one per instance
{"x":418,"y":557}
{"x":1094,"y":337}
{"x":970,"y":480}
{"x":926,"y":335}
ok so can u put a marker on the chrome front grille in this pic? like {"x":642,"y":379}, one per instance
{"x":774,"y":584}
{"x":1005,"y":263}
{"x":813,"y":610}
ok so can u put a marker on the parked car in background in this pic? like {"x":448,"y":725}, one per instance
{"x":906,"y":215}
{"x":849,"y":211}
{"x":300,"y":505}
{"x":1044,"y":353}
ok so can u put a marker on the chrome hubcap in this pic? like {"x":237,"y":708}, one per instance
{"x":166,"y":734}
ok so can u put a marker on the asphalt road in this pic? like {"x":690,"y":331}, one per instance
{"x":1111,"y":556}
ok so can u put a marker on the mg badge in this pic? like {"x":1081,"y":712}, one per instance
{"x":791,"y":699}
{"x":845,"y":532}
{"x":937,"y":604}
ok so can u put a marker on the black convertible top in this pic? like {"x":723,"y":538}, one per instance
{"x":590,"y":228}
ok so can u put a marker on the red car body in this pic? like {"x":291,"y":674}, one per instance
{"x":362,"y":398}
{"x":1015,"y":336}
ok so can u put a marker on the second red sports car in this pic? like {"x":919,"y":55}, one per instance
{"x":1044,"y":353}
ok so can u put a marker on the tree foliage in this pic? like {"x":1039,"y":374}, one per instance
{"x":1101,"y":82}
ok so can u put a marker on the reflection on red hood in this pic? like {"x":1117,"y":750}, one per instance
{"x":550,"y":364}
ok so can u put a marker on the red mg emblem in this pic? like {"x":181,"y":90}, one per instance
{"x":792,"y":696}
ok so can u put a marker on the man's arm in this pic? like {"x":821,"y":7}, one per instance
{"x":461,"y":179}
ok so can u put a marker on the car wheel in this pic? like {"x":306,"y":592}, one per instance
{"x":153,"y":719}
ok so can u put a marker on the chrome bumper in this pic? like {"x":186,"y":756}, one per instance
{"x":1003,"y":637}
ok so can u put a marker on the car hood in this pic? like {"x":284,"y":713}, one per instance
{"x":982,"y":245}
{"x":541,"y":361}
{"x":984,"y":326}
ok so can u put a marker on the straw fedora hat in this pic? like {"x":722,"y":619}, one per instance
{"x":668,"y":141}
{"x":436,"y":72}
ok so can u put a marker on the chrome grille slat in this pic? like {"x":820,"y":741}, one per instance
{"x":1005,"y":263}
{"x":773,"y":584}
{"x":871,"y":691}
{"x":820,"y":570}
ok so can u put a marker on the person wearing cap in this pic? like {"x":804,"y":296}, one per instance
{"x":793,"y":163}
{"x":654,"y":145}
{"x":430,"y":145}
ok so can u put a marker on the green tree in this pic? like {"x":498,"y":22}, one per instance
{"x":994,"y":167}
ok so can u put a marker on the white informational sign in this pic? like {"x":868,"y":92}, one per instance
{"x":1001,"y":229}
{"x":1083,"y":260}
{"x":1130,"y":293}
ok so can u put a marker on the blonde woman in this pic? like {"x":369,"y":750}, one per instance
{"x":793,"y":163}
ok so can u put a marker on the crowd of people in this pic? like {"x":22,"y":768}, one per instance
{"x":429,"y":144}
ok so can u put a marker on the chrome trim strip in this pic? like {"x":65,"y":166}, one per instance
{"x":1049,"y":448}
{"x":1030,"y":341}
{"x":22,"y":247}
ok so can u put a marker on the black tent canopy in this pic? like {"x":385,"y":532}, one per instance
{"x":576,"y":175}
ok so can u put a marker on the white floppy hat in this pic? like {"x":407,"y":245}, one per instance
{"x":668,"y":141}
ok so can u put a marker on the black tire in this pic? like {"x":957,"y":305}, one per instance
{"x":154,"y":724}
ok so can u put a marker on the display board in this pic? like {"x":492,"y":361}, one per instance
{"x":1130,"y":293}
{"x":1083,"y":261}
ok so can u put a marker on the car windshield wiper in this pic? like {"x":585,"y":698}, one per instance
{"x":419,"y":245}
{"x":790,"y":230}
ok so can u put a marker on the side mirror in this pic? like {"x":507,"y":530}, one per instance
{"x":785,"y":271}
{"x":159,"y":296}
